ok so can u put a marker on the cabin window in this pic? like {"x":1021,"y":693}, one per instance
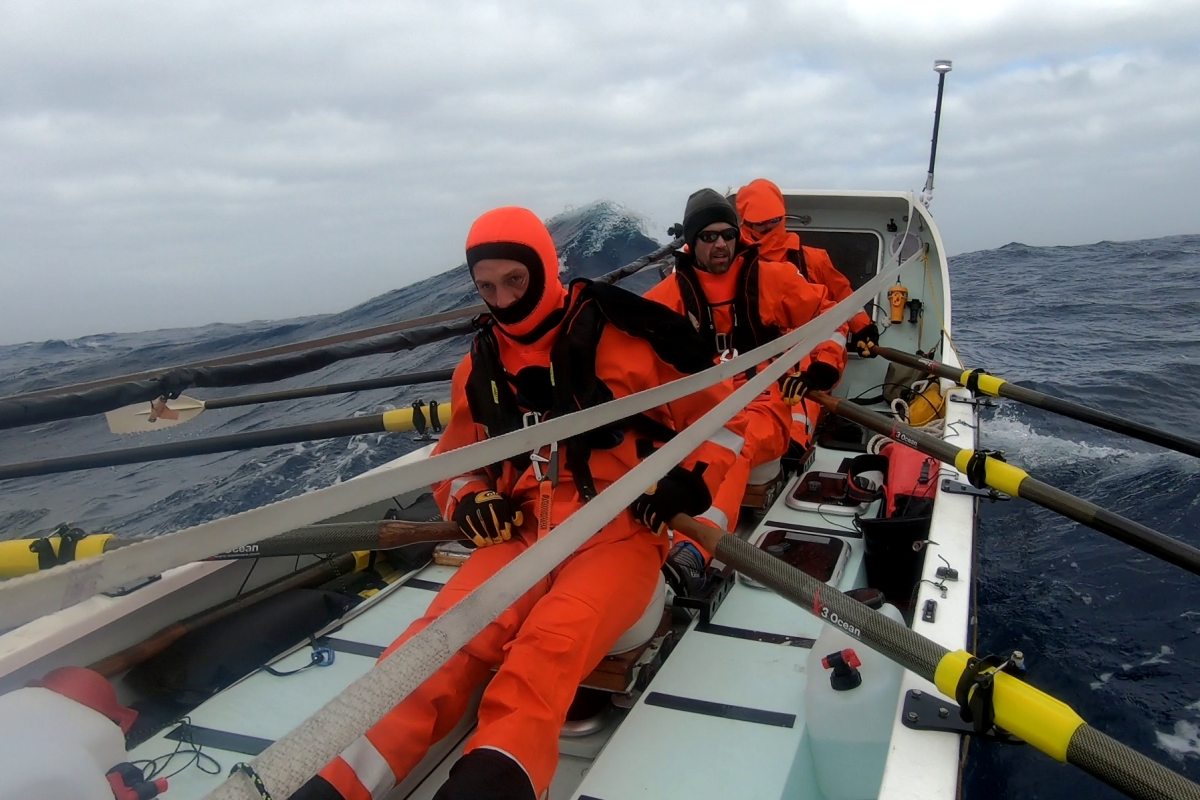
{"x":854,"y":253}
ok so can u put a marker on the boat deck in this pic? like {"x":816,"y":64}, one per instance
{"x":732,"y":688}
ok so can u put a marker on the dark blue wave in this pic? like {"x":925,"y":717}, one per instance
{"x":1105,"y":628}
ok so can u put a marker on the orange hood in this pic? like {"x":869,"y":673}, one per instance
{"x":517,"y":234}
{"x":759,"y":201}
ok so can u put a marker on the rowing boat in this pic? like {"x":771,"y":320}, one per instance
{"x":729,"y":674}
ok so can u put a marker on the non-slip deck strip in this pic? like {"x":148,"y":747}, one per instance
{"x":351,"y":647}
{"x":420,"y":583}
{"x":724,"y":710}
{"x":755,"y":636}
{"x":218,"y":740}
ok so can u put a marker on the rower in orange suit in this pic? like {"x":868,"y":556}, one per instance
{"x":602,"y":343}
{"x":763,"y":213}
{"x":738,"y":300}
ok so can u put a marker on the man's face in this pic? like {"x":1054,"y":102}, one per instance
{"x":714,"y":247}
{"x":766,"y":226}
{"x":501,"y":281}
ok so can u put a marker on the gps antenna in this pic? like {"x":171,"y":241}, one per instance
{"x":941,"y":67}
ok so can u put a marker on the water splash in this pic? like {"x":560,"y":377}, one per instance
{"x":1183,"y":742}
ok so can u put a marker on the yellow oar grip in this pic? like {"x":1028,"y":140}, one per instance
{"x":988,"y":384}
{"x":17,"y":559}
{"x":1022,"y":710}
{"x":400,"y":420}
{"x":997,"y":474}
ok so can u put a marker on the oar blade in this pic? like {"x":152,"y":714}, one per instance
{"x":136,"y":418}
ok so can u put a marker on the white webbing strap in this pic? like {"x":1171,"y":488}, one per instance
{"x":32,"y":596}
{"x":288,"y":763}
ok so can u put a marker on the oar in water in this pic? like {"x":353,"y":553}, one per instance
{"x":398,"y":421}
{"x":978,"y":380}
{"x":983,"y":468}
{"x":1032,"y":715}
{"x":144,"y":417}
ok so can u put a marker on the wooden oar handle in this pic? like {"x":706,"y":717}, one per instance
{"x":706,"y":535}
{"x":396,"y":533}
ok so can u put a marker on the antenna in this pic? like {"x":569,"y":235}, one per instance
{"x":941,"y":67}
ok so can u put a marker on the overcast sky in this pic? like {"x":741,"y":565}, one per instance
{"x":166,"y":164}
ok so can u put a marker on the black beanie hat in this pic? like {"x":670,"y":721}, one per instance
{"x":703,"y":209}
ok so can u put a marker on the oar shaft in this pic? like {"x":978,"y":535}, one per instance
{"x":391,"y":421}
{"x":1125,"y":530}
{"x":346,"y":537}
{"x":1046,"y":723}
{"x":998,"y":387}
{"x":1015,"y":481}
{"x":431,"y":376}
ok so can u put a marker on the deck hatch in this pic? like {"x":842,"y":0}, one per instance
{"x":755,"y":636}
{"x":844,"y":533}
{"x":219,"y":740}
{"x":725,"y":710}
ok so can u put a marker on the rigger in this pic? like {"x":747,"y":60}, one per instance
{"x":601,"y":343}
{"x":738,"y":300}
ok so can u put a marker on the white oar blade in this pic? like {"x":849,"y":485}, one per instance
{"x":136,"y":418}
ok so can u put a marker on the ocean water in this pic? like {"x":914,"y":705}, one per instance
{"x":1110,"y":631}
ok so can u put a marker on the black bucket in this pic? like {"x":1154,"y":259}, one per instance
{"x":895,"y":552}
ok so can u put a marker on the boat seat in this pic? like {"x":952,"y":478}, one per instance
{"x":644,"y":629}
{"x":765,"y":473}
{"x":764,"y":485}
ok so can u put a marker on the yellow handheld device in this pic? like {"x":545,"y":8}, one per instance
{"x":898,"y":298}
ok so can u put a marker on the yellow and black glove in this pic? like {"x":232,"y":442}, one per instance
{"x":865,"y":339}
{"x":680,"y":491}
{"x":819,"y":377}
{"x":488,"y":517}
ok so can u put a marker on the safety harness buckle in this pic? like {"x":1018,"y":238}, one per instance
{"x":550,"y":473}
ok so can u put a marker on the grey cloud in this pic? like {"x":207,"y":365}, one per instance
{"x":178,"y":164}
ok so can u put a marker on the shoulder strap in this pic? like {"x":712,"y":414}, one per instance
{"x":797,"y":257}
{"x":695,"y":304}
{"x":672,"y":336}
{"x":492,"y":401}
{"x":750,"y":331}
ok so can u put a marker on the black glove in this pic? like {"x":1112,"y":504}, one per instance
{"x":865,"y":339}
{"x":487,"y":517}
{"x":678,"y":492}
{"x":819,"y":377}
{"x":684,"y":569}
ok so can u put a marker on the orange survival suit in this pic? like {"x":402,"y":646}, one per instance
{"x":753,"y":303}
{"x":602,"y":343}
{"x":759,"y":201}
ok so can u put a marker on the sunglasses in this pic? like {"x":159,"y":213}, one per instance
{"x":709,"y":237}
{"x":766,"y":223}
